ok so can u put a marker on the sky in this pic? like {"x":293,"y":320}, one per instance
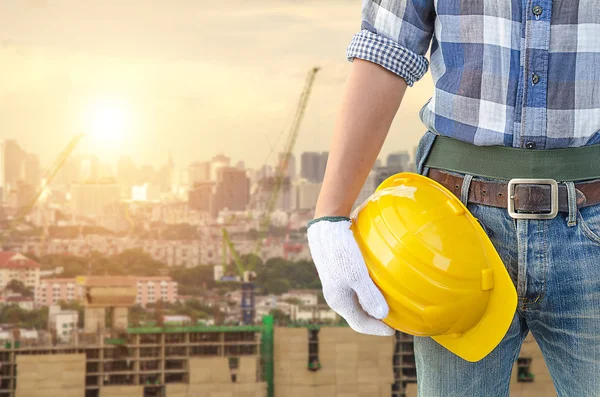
{"x":190,"y":77}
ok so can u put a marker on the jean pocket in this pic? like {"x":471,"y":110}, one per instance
{"x":589,"y":222}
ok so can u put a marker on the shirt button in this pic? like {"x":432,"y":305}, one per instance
{"x":535,"y":78}
{"x":537,"y":10}
{"x":530,"y":145}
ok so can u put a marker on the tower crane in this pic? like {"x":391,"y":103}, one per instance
{"x":246,"y":273}
{"x":47,"y":178}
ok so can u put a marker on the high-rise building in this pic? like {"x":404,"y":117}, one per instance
{"x":305,"y":194}
{"x":89,"y":169}
{"x":266,"y":171}
{"x":21,"y":195}
{"x":309,"y":163}
{"x":313,"y":166}
{"x":284,"y":200}
{"x":368,"y":189}
{"x":68,"y":174}
{"x":94,"y":199}
{"x":126,"y":174}
{"x":199,"y":196}
{"x":164,"y":176}
{"x":146,"y":175}
{"x":289,"y":169}
{"x":216,"y":163}
{"x":32,"y":170}
{"x":198,"y":172}
{"x":11,"y":160}
{"x":398,"y":160}
{"x":232,"y":190}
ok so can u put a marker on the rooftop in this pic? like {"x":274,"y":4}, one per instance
{"x":14,"y":260}
{"x":109,"y":281}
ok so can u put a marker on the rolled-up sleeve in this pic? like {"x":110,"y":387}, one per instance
{"x":396,"y":35}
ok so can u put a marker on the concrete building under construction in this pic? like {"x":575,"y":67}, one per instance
{"x":244,"y":361}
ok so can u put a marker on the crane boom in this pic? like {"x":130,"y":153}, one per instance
{"x":48,"y":177}
{"x":289,"y":147}
{"x":236,"y":256}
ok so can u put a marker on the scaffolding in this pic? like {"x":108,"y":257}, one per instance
{"x":154,"y":357}
{"x":405,"y":370}
{"x":149,"y":356}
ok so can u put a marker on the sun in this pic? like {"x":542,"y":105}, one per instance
{"x":108,"y":121}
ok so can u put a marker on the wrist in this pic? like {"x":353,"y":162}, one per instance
{"x":328,"y":219}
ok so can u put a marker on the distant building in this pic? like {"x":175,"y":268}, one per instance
{"x":24,"y":302}
{"x":145,"y":192}
{"x":127,"y":174}
{"x":199,"y":196}
{"x":174,"y":319}
{"x":368,"y":189}
{"x":21,"y":195}
{"x":32,"y":170}
{"x":305,"y":296}
{"x":312,"y":313}
{"x":232,"y":190}
{"x":313,"y":166}
{"x":216,"y":163}
{"x":11,"y":160}
{"x":92,"y":199}
{"x":305,"y":194}
{"x":289,"y":169}
{"x":51,"y":291}
{"x":153,"y":289}
{"x":398,"y":160}
{"x":63,"y":322}
{"x":68,"y":174}
{"x":163,"y":178}
{"x":285,"y":198}
{"x":89,"y":169}
{"x":146,"y":174}
{"x":384,"y":173}
{"x":198,"y":172}
{"x":14,"y":266}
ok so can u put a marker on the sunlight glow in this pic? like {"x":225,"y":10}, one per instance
{"x":108,"y":121}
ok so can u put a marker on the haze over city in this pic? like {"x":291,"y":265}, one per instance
{"x":194,"y":78}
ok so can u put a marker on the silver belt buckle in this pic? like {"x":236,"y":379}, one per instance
{"x":523,"y":181}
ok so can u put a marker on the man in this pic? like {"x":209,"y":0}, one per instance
{"x":517,"y":95}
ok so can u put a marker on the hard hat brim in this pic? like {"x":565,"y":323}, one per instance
{"x":481,"y":340}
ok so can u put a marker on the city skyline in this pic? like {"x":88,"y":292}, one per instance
{"x":179,"y":98}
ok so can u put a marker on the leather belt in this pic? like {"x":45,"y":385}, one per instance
{"x":527,"y":198}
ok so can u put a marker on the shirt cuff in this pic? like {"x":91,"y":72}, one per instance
{"x":385,"y":52}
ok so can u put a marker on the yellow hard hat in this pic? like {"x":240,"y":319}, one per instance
{"x":435,"y":266}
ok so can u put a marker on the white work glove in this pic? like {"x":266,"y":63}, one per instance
{"x":347,"y":287}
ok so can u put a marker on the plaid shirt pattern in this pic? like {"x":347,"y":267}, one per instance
{"x":521,"y":73}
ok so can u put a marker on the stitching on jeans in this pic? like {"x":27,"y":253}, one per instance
{"x":586,"y":229}
{"x":542,"y":294}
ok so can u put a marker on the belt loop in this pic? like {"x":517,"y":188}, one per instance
{"x":572,"y":219}
{"x":464,"y":192}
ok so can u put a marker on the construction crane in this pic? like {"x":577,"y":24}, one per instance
{"x":47,"y":178}
{"x":246,"y":272}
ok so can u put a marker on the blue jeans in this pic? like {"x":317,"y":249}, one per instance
{"x":555,"y":266}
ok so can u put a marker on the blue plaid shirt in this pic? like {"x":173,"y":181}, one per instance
{"x":521,"y":73}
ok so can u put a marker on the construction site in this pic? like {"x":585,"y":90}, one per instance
{"x":256,"y":360}
{"x":248,"y":360}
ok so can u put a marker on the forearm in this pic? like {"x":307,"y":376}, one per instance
{"x":371,"y":99}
